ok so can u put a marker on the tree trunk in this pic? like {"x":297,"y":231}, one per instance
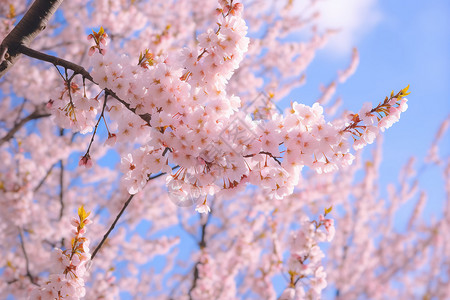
{"x":33,"y":22}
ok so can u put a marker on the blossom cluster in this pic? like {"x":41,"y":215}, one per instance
{"x":305,"y":258}
{"x":193,"y":117}
{"x":370,"y":120}
{"x":66,"y":280}
{"x":72,"y":109}
{"x":192,"y":122}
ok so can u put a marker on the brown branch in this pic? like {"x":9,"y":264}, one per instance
{"x":96,"y":125}
{"x":275,"y":158}
{"x":202,"y":245}
{"x":111,"y":227}
{"x":49,"y":171}
{"x":27,"y":267}
{"x":77,"y":69}
{"x":120,"y":214}
{"x":61,"y":189}
{"x":61,"y":183}
{"x":33,"y":22}
{"x":38,"y":113}
{"x":161,"y":174}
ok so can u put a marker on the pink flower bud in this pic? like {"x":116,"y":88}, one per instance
{"x":85,"y":161}
{"x":87,"y":221}
{"x":237,"y":9}
{"x":49,"y":104}
{"x":112,"y":138}
{"x":74,"y":222}
{"x":223,"y":3}
{"x":91,"y":51}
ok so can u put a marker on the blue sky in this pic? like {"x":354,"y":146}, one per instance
{"x":399,"y":43}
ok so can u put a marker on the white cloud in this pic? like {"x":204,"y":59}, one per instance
{"x":354,"y":19}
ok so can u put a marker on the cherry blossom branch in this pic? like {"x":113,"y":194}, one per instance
{"x":38,"y":113}
{"x":33,"y":22}
{"x":382,"y":109}
{"x":86,"y":158}
{"x":20,"y":110}
{"x":77,"y":69}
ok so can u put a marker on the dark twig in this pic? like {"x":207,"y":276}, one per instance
{"x":61,"y":189}
{"x":118,"y":217}
{"x":38,"y":113}
{"x":96,"y":125}
{"x":275,"y":158}
{"x":161,"y":174}
{"x":20,"y":110}
{"x":77,"y":69}
{"x":61,"y":183}
{"x":49,"y":171}
{"x":111,"y":227}
{"x":202,"y":245}
{"x":27,"y":264}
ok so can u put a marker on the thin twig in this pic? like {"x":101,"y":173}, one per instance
{"x":44,"y":179}
{"x":27,"y":263}
{"x":77,"y":69}
{"x":98,"y":122}
{"x":111,"y":227}
{"x":36,"y":114}
{"x":61,"y":183}
{"x":118,"y":217}
{"x":20,"y":110}
{"x":202,"y":245}
{"x":275,"y":158}
{"x":161,"y":174}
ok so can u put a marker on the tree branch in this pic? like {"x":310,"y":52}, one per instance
{"x":61,"y":183}
{"x":27,"y":267}
{"x":77,"y":69}
{"x":44,"y":178}
{"x":111,"y":227}
{"x":38,"y":113}
{"x":120,"y":214}
{"x":202,"y":245}
{"x":33,"y":22}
